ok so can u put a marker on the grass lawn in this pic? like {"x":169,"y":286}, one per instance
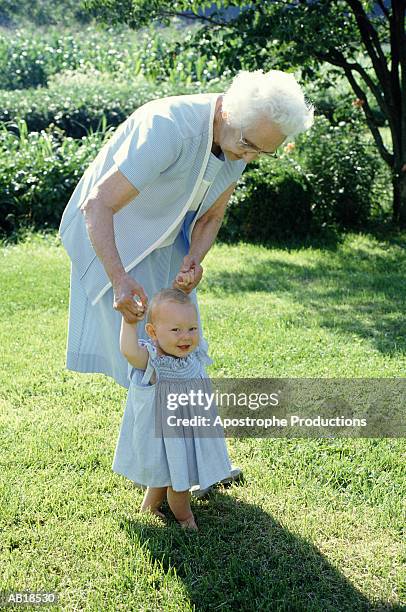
{"x":318,"y":524}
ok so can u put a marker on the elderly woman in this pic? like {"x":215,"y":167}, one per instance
{"x":150,"y":205}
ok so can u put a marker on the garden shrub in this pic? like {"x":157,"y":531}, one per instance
{"x":76,"y":102}
{"x":42,"y":12}
{"x":38,"y":173}
{"x":326,"y":179}
{"x":333,"y":96}
{"x":272,"y":202}
{"x":75,"y":106}
{"x":342,"y":163}
{"x":188,"y":58}
{"x":29,"y":58}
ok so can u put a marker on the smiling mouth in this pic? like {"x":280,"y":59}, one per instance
{"x":184,"y":347}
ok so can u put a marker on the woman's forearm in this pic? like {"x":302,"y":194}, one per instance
{"x":203,"y":236}
{"x":207,"y":227}
{"x":108,"y":196}
{"x":100,"y":227}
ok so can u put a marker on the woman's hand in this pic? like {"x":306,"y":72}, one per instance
{"x":124,"y":290}
{"x":189,"y":276}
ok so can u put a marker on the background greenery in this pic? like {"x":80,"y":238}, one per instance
{"x":63,"y":88}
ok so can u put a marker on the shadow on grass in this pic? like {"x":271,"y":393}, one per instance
{"x":243,"y":559}
{"x":359,"y":291}
{"x":330,"y":238}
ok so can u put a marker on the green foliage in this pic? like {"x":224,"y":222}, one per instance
{"x":181,"y":60}
{"x":330,"y":180}
{"x":333,"y":96}
{"x":343,"y":165}
{"x":359,"y":39}
{"x":332,"y":177}
{"x":76,"y":102}
{"x":38,"y":172}
{"x":29,"y":59}
{"x":42,"y":12}
{"x":272,"y":202}
{"x":291,"y":33}
{"x":73,"y":103}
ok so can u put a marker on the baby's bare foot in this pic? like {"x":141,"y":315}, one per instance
{"x":160,"y":514}
{"x":189,"y":523}
{"x":154,"y":511}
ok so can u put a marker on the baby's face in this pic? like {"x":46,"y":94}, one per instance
{"x":175,"y":328}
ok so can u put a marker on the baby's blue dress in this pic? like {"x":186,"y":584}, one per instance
{"x":179,"y":461}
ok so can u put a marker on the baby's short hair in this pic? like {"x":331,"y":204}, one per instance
{"x":166,"y":295}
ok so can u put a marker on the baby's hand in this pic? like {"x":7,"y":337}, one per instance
{"x":189,"y":275}
{"x":183,"y":279}
{"x":140,"y":308}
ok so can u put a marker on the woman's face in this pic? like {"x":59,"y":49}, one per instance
{"x":174,"y":328}
{"x":265,"y":136}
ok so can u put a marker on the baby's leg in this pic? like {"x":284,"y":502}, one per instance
{"x":179,"y":503}
{"x":153,"y":498}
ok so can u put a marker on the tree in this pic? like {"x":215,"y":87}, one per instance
{"x":366,"y":40}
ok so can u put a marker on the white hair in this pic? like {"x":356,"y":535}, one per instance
{"x":274,"y":95}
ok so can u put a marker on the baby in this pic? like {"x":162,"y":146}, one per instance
{"x":172,"y":351}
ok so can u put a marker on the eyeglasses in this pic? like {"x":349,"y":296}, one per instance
{"x":245,"y":144}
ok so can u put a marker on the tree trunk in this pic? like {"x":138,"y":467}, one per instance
{"x":399,"y":197}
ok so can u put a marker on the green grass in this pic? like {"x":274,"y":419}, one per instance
{"x":318,"y":523}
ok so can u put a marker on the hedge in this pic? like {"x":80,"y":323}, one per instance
{"x":76,"y":102}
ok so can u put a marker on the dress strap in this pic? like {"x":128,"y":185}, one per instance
{"x":152,"y":353}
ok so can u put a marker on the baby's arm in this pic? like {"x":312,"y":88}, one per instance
{"x":135,"y":354}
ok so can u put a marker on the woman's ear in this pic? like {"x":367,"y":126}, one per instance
{"x":150,"y":329}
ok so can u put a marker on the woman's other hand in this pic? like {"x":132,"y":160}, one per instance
{"x":124,"y":290}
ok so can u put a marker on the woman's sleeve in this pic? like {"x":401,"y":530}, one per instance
{"x":151,"y":147}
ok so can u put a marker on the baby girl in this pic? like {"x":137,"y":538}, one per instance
{"x":167,"y":467}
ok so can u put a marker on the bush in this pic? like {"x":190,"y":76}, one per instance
{"x":181,"y":59}
{"x":74,"y":105}
{"x":343,"y":164}
{"x":333,"y":96}
{"x":327,"y":180}
{"x":272,"y":202}
{"x":76,"y":102}
{"x":29,"y":59}
{"x":41,"y":12}
{"x":38,"y":173}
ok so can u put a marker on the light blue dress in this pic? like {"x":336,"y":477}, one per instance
{"x":94,"y":331}
{"x":146,"y":452}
